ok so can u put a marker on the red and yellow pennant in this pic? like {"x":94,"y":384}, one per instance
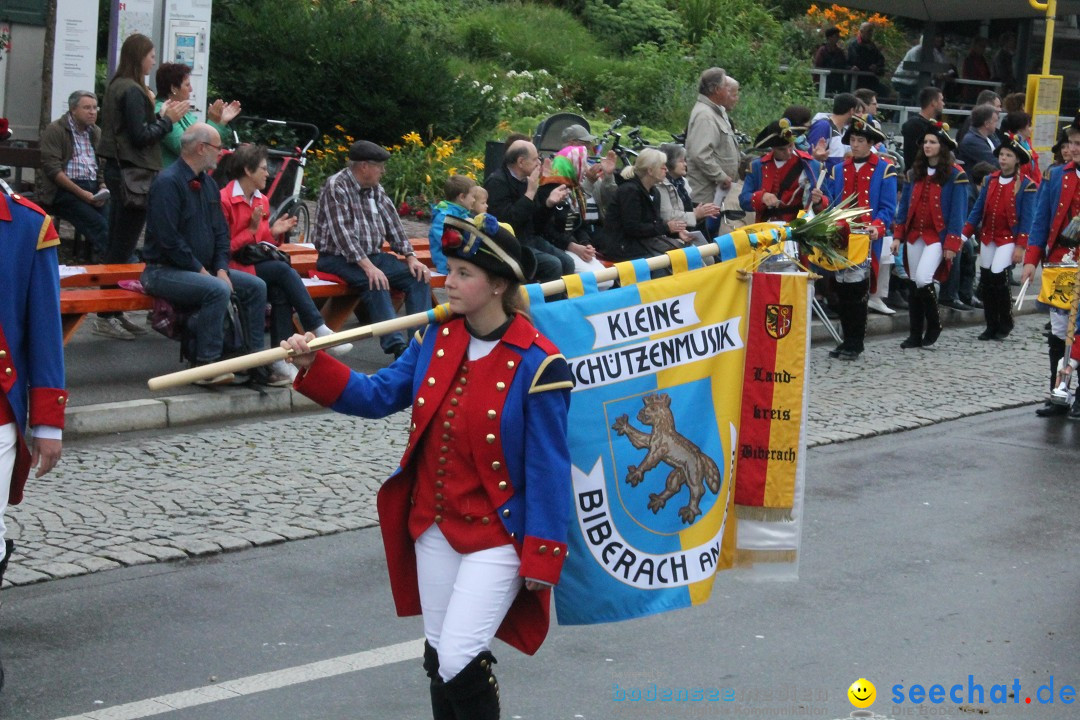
{"x":774,"y":381}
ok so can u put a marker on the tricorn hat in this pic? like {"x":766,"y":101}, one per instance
{"x":1011,"y":141}
{"x":489,"y":244}
{"x":940,"y":130}
{"x":777,"y":134}
{"x":862,"y":126}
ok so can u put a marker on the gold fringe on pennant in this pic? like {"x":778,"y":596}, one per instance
{"x":763,"y":514}
{"x":749,"y":558}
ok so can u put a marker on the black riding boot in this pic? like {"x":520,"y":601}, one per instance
{"x":1057,"y":352}
{"x":930,"y":310}
{"x":916,"y":317}
{"x":843,"y":310}
{"x":990,"y":309}
{"x":474,"y":692}
{"x":1003,"y":298}
{"x":441,"y":707}
{"x":855,"y":329}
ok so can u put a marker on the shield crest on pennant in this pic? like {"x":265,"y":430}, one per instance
{"x":778,"y":320}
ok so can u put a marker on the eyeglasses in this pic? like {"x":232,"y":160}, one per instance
{"x":216,"y":147}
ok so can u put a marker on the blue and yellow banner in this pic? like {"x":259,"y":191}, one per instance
{"x":654,"y":424}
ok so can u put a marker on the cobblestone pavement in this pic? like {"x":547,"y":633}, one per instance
{"x":130,"y":501}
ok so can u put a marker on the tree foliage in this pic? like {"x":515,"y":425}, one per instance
{"x":339,"y":62}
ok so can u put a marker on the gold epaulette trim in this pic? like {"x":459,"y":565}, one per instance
{"x":43,"y":242}
{"x":559,"y":385}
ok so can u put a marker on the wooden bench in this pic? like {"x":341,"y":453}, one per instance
{"x":96,"y":291}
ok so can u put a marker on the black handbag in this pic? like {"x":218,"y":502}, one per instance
{"x":135,"y":186}
{"x":255,"y":253}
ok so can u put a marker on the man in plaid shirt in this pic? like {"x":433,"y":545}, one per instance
{"x":354,"y":217}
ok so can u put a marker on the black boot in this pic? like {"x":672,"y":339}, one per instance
{"x":474,"y":692}
{"x":845,"y":320}
{"x":441,"y":707}
{"x":916,"y":318}
{"x":1003,"y":298}
{"x":990,"y":310}
{"x":1056,"y":352}
{"x":855,"y":330}
{"x":930,"y":310}
{"x":1074,"y":414}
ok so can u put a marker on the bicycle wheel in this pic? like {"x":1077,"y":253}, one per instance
{"x":302,"y":231}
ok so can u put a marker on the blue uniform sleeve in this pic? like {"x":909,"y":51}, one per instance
{"x":750,"y":186}
{"x":954,"y":223}
{"x":1025,"y":212}
{"x":1045,"y":202}
{"x":45,"y":335}
{"x":902,"y":210}
{"x":886,"y":208}
{"x":384,"y":393}
{"x":974,"y":218}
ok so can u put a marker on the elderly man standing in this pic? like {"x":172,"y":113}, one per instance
{"x":71,"y":182}
{"x":712,"y":154}
{"x":353,"y":219}
{"x":187,"y":254}
{"x":31,"y":354}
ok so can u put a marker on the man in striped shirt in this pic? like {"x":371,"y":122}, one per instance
{"x":354,"y":218}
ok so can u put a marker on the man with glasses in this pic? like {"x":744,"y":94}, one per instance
{"x":187,"y":255}
{"x":353,"y":219}
{"x":71,"y":185}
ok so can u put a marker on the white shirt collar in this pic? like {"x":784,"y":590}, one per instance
{"x":237,"y":190}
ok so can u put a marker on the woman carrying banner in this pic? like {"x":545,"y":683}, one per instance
{"x":929,"y":220}
{"x":475,"y":519}
{"x":1003,"y":215}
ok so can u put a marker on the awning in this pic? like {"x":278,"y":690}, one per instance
{"x":955,"y":10}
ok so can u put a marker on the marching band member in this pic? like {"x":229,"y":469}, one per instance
{"x":929,"y":220}
{"x":1003,"y":216}
{"x":475,"y":520}
{"x":775,"y":189}
{"x":871,"y":178}
{"x":1053,"y":239}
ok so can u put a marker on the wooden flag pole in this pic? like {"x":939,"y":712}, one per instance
{"x":764,"y":235}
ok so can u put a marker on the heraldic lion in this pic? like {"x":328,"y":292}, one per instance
{"x":690,"y":466}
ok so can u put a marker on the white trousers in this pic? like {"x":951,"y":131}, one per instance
{"x":923,"y":261}
{"x":1059,"y":322}
{"x":995,"y":257}
{"x":464,"y":598}
{"x":8,"y":438}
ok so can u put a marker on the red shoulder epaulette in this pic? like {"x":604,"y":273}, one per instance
{"x":546,"y":345}
{"x":27,"y":203}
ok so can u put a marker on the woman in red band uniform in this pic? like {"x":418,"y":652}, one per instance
{"x":930,"y":217}
{"x":475,"y":519}
{"x":1003,"y":215}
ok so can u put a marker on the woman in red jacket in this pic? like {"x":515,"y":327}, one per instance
{"x":247,"y":212}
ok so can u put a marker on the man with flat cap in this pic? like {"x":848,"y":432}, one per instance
{"x":782,"y":180}
{"x":872,"y":180}
{"x":353,"y":219}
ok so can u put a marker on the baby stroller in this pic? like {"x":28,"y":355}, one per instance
{"x":548,"y":135}
{"x":287,"y":143}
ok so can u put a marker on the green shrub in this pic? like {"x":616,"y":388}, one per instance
{"x":329,"y":64}
{"x":628,"y":23}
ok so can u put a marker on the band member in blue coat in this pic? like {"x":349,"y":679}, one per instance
{"x":1002,"y":215}
{"x":929,"y":220}
{"x":872,"y":179}
{"x":475,"y":520}
{"x":784,"y":180}
{"x":1054,"y":238}
{"x":31,"y":353}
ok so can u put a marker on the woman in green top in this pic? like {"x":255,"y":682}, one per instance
{"x":173,"y":82}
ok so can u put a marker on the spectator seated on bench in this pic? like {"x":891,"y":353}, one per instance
{"x":253,"y":248}
{"x":71,"y":184}
{"x":353,"y":218}
{"x":187,"y":254}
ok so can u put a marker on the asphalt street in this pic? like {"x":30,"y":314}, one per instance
{"x":928,"y":556}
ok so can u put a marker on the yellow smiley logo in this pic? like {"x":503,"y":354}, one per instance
{"x":862,"y":693}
